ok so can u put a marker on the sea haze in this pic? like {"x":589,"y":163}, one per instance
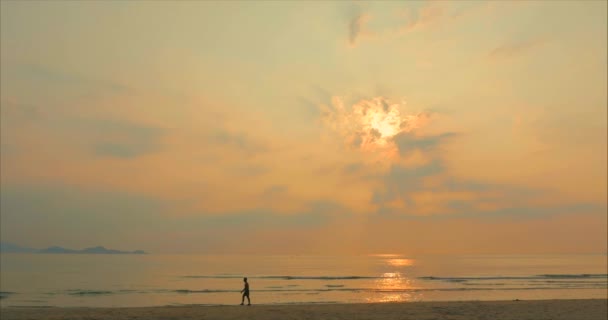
{"x":152,"y":280}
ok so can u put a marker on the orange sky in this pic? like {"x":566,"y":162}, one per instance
{"x":363,"y":127}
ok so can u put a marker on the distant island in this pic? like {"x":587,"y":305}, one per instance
{"x":6,"y":247}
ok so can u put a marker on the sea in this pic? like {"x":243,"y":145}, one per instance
{"x":107,"y":280}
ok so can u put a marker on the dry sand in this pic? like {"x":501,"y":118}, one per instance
{"x":589,"y":309}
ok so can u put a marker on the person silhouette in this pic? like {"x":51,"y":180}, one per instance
{"x":245,"y":292}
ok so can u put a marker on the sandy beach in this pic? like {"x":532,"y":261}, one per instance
{"x":587,"y":309}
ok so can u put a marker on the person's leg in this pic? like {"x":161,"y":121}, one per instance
{"x":248,"y":301}
{"x":243,"y":299}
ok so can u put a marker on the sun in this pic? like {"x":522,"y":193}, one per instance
{"x":370,"y":125}
{"x":388,"y":124}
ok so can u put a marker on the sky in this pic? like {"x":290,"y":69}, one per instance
{"x":279,"y":127}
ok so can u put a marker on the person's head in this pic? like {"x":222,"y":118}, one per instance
{"x":245,"y":279}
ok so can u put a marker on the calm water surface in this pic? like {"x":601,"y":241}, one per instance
{"x":152,"y":280}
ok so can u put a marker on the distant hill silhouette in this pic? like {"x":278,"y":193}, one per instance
{"x":55,"y":249}
{"x":13,"y":248}
{"x":6,"y":247}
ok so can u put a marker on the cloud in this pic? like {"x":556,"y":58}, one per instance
{"x":252,"y":170}
{"x":23,"y":123}
{"x":59,"y":214}
{"x":357,"y":28}
{"x":430,"y":190}
{"x":309,"y":106}
{"x":531,"y":212}
{"x":459,"y":209}
{"x":516,"y":48}
{"x":121,"y":139}
{"x":353,"y":168}
{"x":308,"y":109}
{"x":261,"y":218}
{"x":370,"y":124}
{"x":18,"y":112}
{"x":48,"y":75}
{"x":426,"y":16}
{"x":275,"y":191}
{"x":237,"y":140}
{"x":124,"y":149}
{"x":46,"y":214}
{"x":429,"y":15}
{"x":407,"y":142}
{"x":15,"y":118}
{"x":436,"y":13}
{"x":400,"y":181}
{"x":39,"y":216}
{"x":416,"y":181}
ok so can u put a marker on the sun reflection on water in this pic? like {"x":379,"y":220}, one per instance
{"x":389,"y":288}
{"x":400,"y":262}
{"x":394,"y":284}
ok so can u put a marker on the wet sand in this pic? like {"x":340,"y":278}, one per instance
{"x":585,"y":309}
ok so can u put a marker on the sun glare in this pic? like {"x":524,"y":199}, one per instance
{"x":391,"y":288}
{"x":400,"y":262}
{"x":370,"y":125}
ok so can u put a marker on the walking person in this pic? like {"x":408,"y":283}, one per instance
{"x":245,"y":292}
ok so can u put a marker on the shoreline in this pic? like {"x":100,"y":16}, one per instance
{"x":589,"y":309}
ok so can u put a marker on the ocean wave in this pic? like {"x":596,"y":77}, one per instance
{"x":186,"y":291}
{"x":320,"y":277}
{"x":574,"y":276}
{"x":439,"y":278}
{"x":89,"y":292}
{"x":219,"y":276}
{"x":286,"y":277}
{"x":333,"y":288}
{"x":467,"y":283}
{"x":379,"y":290}
{"x":534,"y":277}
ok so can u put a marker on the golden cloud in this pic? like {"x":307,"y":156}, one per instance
{"x":370,"y":125}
